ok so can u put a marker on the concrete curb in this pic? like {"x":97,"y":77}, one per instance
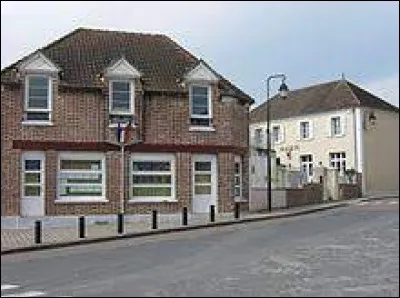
{"x":378,"y":198}
{"x":167,"y":230}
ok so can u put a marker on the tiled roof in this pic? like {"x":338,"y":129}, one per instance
{"x":319,"y":98}
{"x":84,"y":54}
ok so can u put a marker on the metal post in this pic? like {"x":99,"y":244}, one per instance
{"x":38,"y":232}
{"x":269,"y":193}
{"x":122,"y":188}
{"x":237,"y":210}
{"x":184,"y":216}
{"x":212,"y":213}
{"x":81,"y":224}
{"x":154,"y":220}
{"x":120,"y":223}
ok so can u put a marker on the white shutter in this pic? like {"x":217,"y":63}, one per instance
{"x":311,"y":129}
{"x":282,"y":136}
{"x":343,"y":124}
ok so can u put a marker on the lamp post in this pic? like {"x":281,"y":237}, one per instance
{"x":283,"y":89}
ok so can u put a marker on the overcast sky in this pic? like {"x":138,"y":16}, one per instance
{"x":311,"y":42}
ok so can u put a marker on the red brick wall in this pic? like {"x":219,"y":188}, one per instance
{"x":82,"y":116}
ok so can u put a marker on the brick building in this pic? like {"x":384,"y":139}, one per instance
{"x":60,"y":108}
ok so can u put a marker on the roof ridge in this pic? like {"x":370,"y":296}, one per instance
{"x":106,"y":30}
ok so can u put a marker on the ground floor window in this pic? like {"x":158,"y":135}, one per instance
{"x":152,"y":177}
{"x":81,"y":177}
{"x":337,"y":160}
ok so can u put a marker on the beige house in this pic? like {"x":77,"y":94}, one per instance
{"x":336,"y":125}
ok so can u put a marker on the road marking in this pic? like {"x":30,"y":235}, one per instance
{"x":377,"y":202}
{"x":8,"y":287}
{"x":26,"y":294}
{"x":393,"y":202}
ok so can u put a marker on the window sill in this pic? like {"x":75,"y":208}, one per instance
{"x":201,"y":128}
{"x":152,"y":200}
{"x":37,"y":123}
{"x":306,"y":139}
{"x":337,"y":136}
{"x":239,"y":200}
{"x":75,"y":200}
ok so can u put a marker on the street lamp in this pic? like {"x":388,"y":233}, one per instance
{"x":283,"y":90}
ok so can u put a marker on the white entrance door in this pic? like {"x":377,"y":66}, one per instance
{"x":32,"y":199}
{"x":204,"y":183}
{"x":306,"y":165}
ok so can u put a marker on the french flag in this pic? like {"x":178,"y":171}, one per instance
{"x":125,"y":134}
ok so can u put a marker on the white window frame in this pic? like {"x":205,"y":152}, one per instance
{"x":131,"y":112}
{"x":280,"y":135}
{"x":158,"y":157}
{"x":196,"y":116}
{"x":238,"y":160}
{"x":33,"y":156}
{"x":341,"y":126}
{"x":82,"y":156}
{"x":310,"y":129}
{"x":338,"y":157}
{"x":48,"y":110}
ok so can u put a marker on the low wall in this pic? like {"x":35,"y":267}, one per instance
{"x":348,"y":191}
{"x":309,"y":194}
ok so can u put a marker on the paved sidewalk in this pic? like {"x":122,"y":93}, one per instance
{"x":18,"y":239}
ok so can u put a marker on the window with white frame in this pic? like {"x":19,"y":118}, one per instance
{"x":152,"y":177}
{"x":38,"y":98}
{"x":277,"y":134}
{"x":81,"y":177}
{"x":305,"y":130}
{"x":336,"y":126}
{"x":238,"y":178}
{"x":121,"y":103}
{"x":200,"y":105}
{"x":337,"y":160}
{"x":32,"y":175}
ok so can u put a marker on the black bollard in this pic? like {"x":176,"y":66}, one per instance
{"x":120,"y":223}
{"x":184,"y":216}
{"x":212,"y":213}
{"x":81,"y":224}
{"x":154,"y":220}
{"x":237,"y":210}
{"x":38,"y":232}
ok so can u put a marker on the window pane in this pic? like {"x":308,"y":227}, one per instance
{"x":200,"y":91}
{"x":202,"y":189}
{"x":200,"y":110}
{"x":120,"y":101}
{"x":80,"y":165}
{"x":151,"y":166}
{"x":32,"y":191}
{"x":151,"y":191}
{"x":151,"y":179}
{"x":38,"y":82}
{"x":38,"y":116}
{"x":202,"y":166}
{"x":237,"y":191}
{"x":81,"y":190}
{"x":81,"y":178}
{"x":32,"y":165}
{"x":38,"y":92}
{"x":200,"y":122}
{"x":202,"y":178}
{"x":237,"y":168}
{"x":37,"y":102}
{"x":32,"y":177}
{"x":121,"y":86}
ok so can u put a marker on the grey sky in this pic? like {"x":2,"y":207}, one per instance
{"x":310,"y":42}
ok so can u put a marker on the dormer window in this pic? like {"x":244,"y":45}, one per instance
{"x":121,"y":76}
{"x":200,"y":102}
{"x":38,"y":98}
{"x":121,"y":99}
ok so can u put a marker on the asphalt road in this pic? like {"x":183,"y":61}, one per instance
{"x":349,"y":251}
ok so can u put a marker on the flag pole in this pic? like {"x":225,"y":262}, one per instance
{"x":122,"y":209}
